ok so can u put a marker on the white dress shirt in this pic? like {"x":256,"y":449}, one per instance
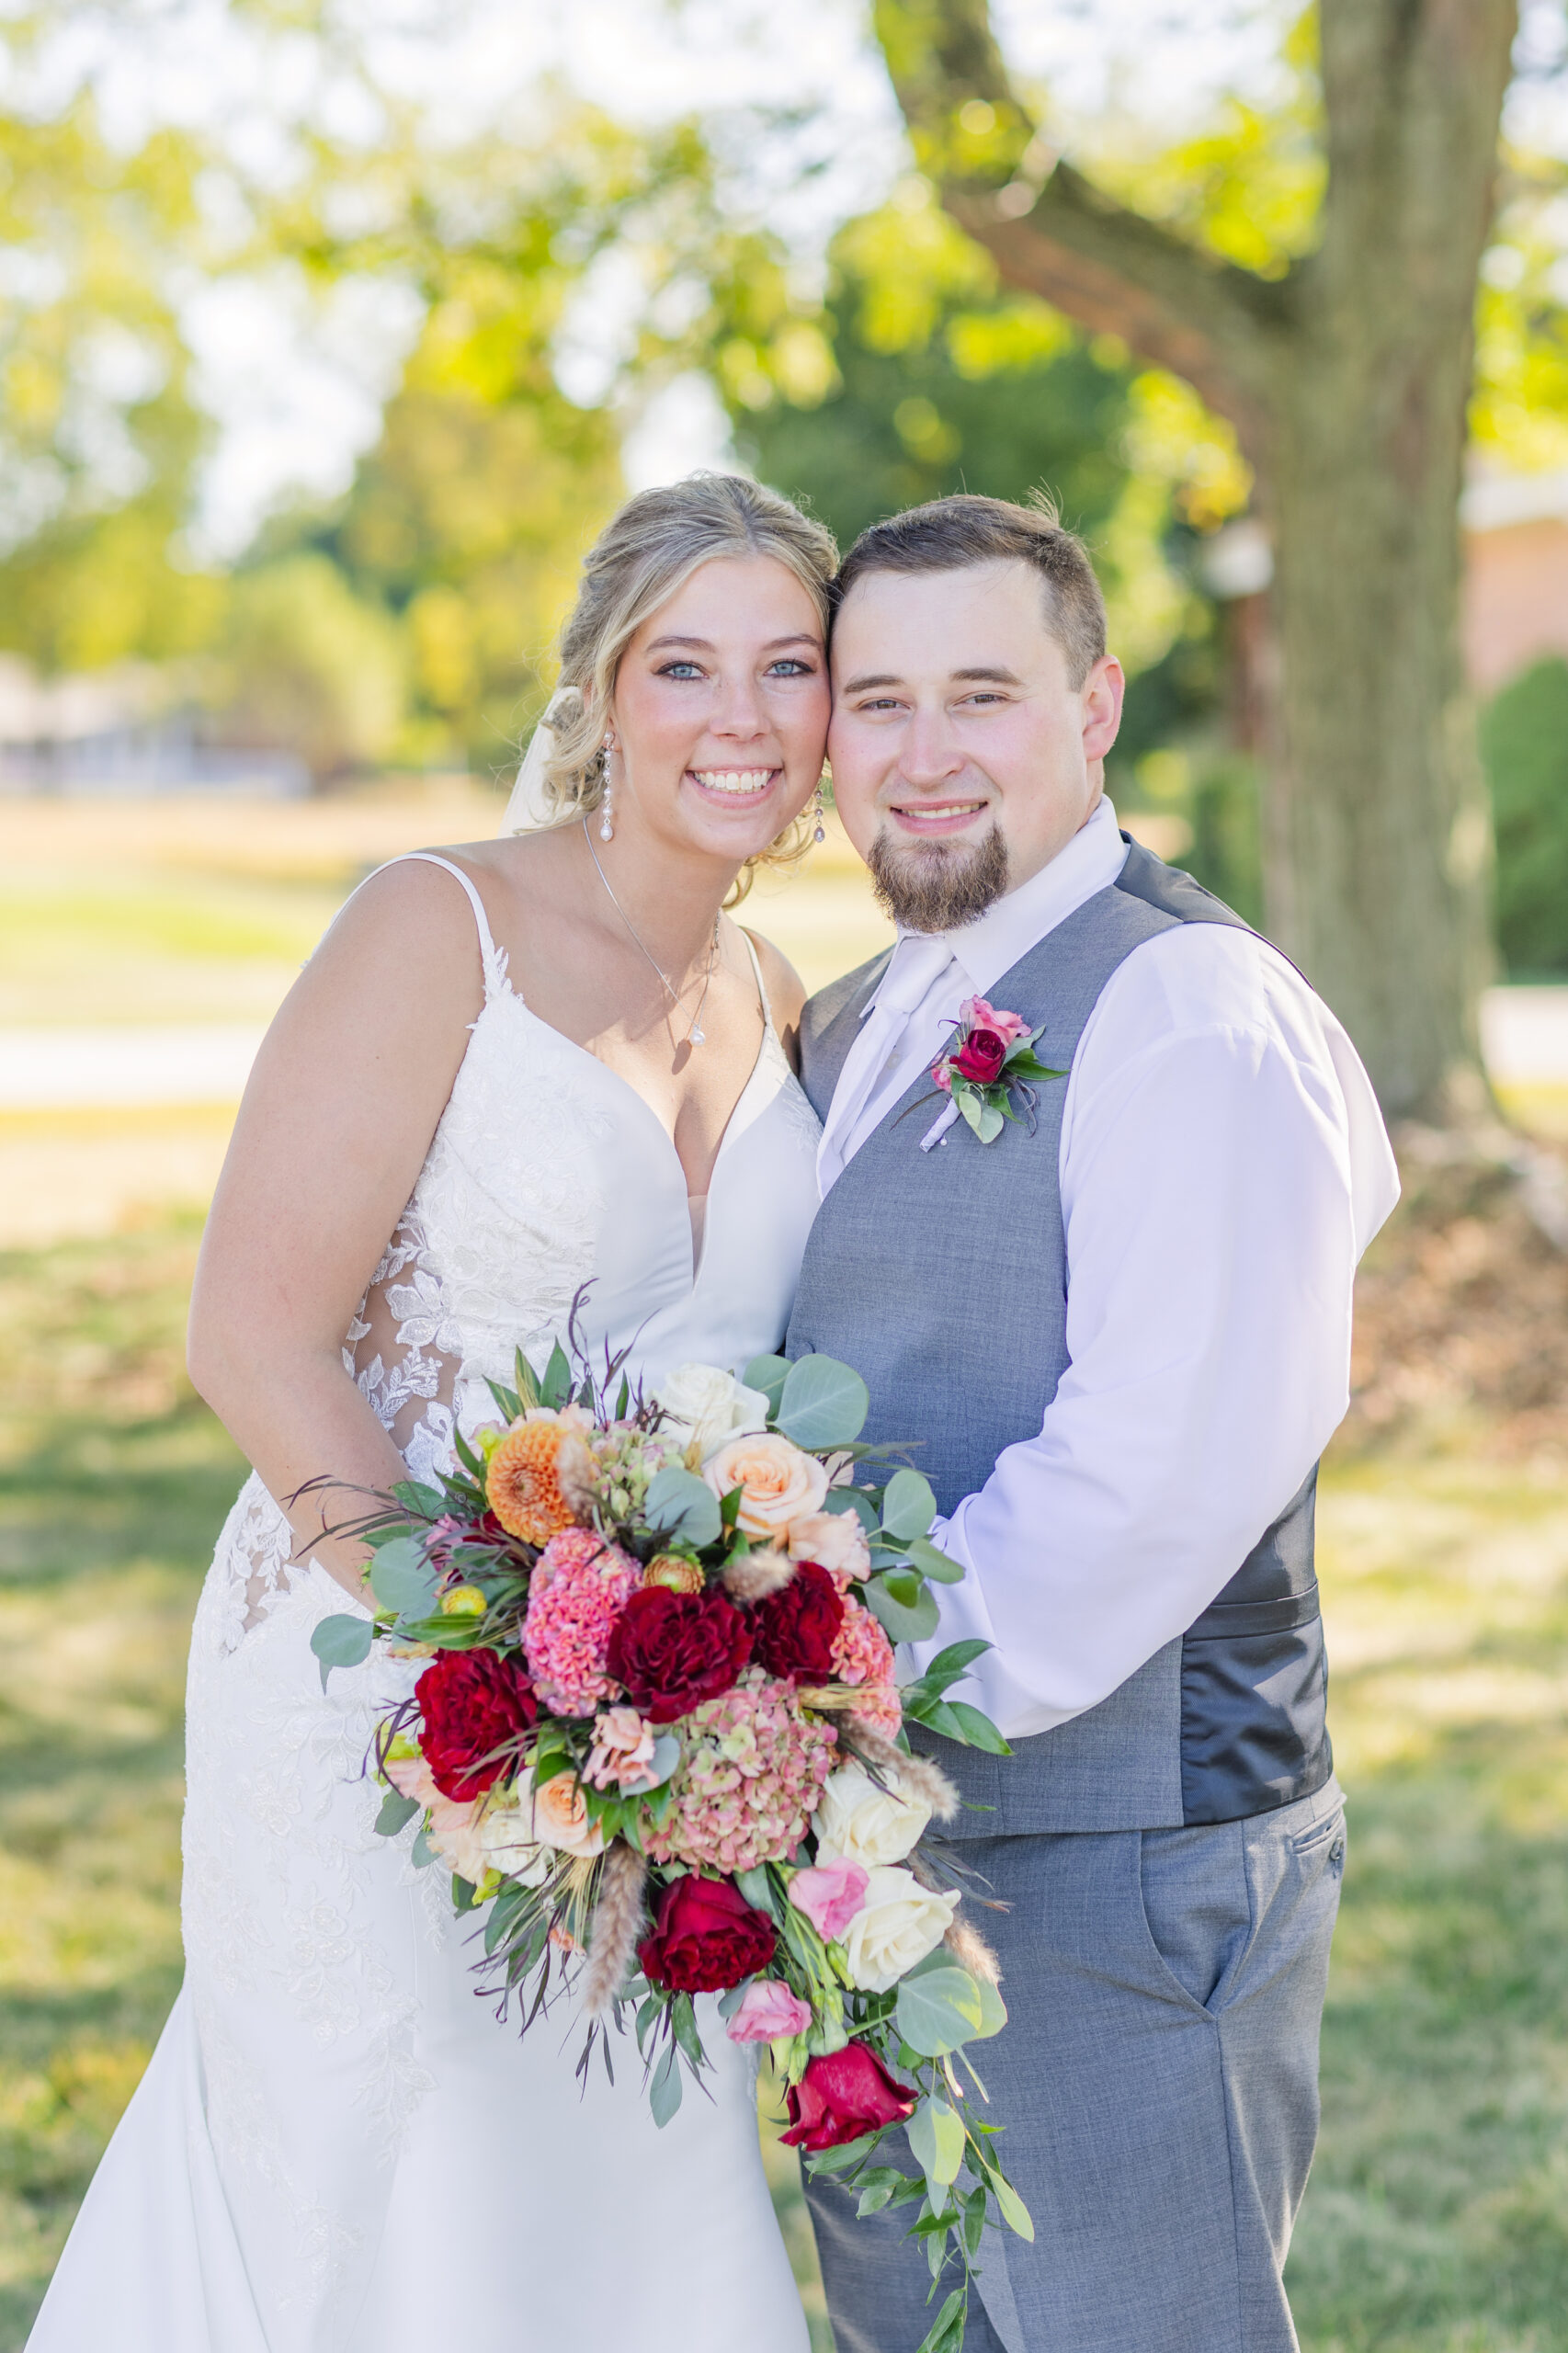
{"x":1223,"y":1165}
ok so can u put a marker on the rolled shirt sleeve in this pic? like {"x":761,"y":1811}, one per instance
{"x":1223,"y":1164}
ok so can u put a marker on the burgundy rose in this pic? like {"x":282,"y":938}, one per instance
{"x":673,"y":1650}
{"x":473,"y":1702}
{"x":793,"y":1632}
{"x":707,"y":1938}
{"x":981,"y":1057}
{"x":841,"y":2096}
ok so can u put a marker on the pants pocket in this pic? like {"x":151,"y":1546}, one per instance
{"x":1197,"y":1906}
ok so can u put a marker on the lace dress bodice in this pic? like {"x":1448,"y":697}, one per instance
{"x":549,"y":1177}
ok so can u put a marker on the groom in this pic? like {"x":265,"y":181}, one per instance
{"x":1121,"y":1336}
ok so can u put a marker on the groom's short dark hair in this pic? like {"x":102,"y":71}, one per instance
{"x":950,"y":534}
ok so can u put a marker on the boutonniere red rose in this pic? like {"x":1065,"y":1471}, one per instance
{"x":990,"y":1065}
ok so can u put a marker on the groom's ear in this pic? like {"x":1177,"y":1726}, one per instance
{"x":1103,"y":691}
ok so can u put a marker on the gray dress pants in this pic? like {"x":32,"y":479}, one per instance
{"x":1157,"y":2083}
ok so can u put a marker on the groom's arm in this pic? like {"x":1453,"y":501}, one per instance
{"x":1223,"y":1165}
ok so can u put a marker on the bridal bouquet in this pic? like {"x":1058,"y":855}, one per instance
{"x":659,"y":1741}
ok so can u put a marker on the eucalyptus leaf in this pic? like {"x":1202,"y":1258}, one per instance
{"x":769,"y":1375}
{"x":823,"y":1403}
{"x":665,"y":2091}
{"x":935,"y":1563}
{"x":1014,"y":2213}
{"x":939,"y":2011}
{"x":757,"y":1889}
{"x":900,"y":1624}
{"x":342,"y":1641}
{"x":844,"y":2158}
{"x":416,"y":1497}
{"x":680,"y":1504}
{"x":397,"y":1813}
{"x":909,"y":1507}
{"x":853,"y":1500}
{"x":422,"y":1854}
{"x":905,"y":1586}
{"x":988,"y":1127}
{"x":936,"y":2138}
{"x":993,"y":2010}
{"x":403,"y":1579}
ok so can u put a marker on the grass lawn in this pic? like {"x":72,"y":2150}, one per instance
{"x":1438,"y":2220}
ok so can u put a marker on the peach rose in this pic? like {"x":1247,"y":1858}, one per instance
{"x":835,"y":1540}
{"x":778,"y":1483}
{"x":557,"y":1815}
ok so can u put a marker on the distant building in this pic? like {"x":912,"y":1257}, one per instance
{"x":1516,"y":582}
{"x":116,"y":730}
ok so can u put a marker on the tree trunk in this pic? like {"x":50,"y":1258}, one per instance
{"x":1347,"y":381}
{"x":1377,"y":836}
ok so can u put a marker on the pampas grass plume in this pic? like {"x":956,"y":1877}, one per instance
{"x":616,"y":1925}
{"x":756,"y":1575}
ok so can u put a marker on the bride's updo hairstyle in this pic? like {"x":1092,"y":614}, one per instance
{"x":647,"y":551}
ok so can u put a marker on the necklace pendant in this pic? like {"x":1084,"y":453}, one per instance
{"x":694,"y":1037}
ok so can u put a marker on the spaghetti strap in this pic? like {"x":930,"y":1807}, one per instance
{"x":756,"y":969}
{"x":492,"y":959}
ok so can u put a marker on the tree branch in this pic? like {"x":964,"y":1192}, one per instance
{"x":1055,"y":235}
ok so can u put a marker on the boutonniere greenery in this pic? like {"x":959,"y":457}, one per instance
{"x":988,"y":1073}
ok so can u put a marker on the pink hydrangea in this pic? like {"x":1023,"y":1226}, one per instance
{"x":579,"y":1586}
{"x":748,"y":1780}
{"x":862,"y":1655}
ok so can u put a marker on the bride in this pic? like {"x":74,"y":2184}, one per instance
{"x":531,"y":1064}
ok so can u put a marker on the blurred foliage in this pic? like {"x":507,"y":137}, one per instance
{"x":465,"y":524}
{"x":1524,"y":742}
{"x":100,"y":437}
{"x":914,"y":373}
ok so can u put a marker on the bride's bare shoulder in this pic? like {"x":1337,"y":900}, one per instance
{"x":785,"y":990}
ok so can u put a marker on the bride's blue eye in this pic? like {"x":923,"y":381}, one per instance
{"x":679,"y":670}
{"x":790,"y":665}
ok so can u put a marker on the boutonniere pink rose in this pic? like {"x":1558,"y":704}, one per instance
{"x":990,"y":1063}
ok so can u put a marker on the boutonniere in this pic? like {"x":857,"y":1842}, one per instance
{"x":990,"y":1063}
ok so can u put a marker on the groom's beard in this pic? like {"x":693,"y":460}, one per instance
{"x":939,"y":886}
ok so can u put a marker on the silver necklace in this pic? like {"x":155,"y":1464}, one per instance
{"x":695,"y":1035}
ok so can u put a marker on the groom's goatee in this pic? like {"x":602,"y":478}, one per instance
{"x":939,"y":886}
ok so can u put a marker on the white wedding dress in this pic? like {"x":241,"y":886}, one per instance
{"x":336,"y":2148}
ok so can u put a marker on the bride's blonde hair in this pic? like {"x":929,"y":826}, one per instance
{"x":647,"y":551}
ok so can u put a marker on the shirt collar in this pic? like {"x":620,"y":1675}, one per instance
{"x":993,"y":943}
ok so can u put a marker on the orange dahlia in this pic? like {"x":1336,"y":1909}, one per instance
{"x":674,"y":1570}
{"x":522,"y":1483}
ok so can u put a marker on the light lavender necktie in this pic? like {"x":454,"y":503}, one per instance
{"x":917,"y":962}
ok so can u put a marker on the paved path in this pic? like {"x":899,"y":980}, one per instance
{"x":1525,"y":1033}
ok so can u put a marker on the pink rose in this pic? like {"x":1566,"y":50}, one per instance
{"x":768,"y":2012}
{"x":981,"y":1016}
{"x":830,"y":1894}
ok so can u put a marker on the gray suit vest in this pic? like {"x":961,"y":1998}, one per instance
{"x":942,"y":1277}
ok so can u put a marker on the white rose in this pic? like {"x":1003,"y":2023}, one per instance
{"x":703,"y":1406}
{"x":834,"y":1539}
{"x":898,"y":1925}
{"x":778,"y":1483}
{"x":865,"y":1823}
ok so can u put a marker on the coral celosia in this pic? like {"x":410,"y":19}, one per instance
{"x":863,"y":1655}
{"x":579,"y":1586}
{"x":749,"y":1779}
{"x":522,"y":1484}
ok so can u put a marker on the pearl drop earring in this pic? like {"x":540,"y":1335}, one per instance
{"x":819,"y":812}
{"x":607,"y":824}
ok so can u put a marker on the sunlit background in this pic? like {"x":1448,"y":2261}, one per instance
{"x":329,"y":336}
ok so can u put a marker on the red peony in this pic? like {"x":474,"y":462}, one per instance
{"x":981,"y":1057}
{"x":707,"y":1938}
{"x":794,"y":1629}
{"x":473,"y":1702}
{"x":672,"y":1651}
{"x":843,"y":2095}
